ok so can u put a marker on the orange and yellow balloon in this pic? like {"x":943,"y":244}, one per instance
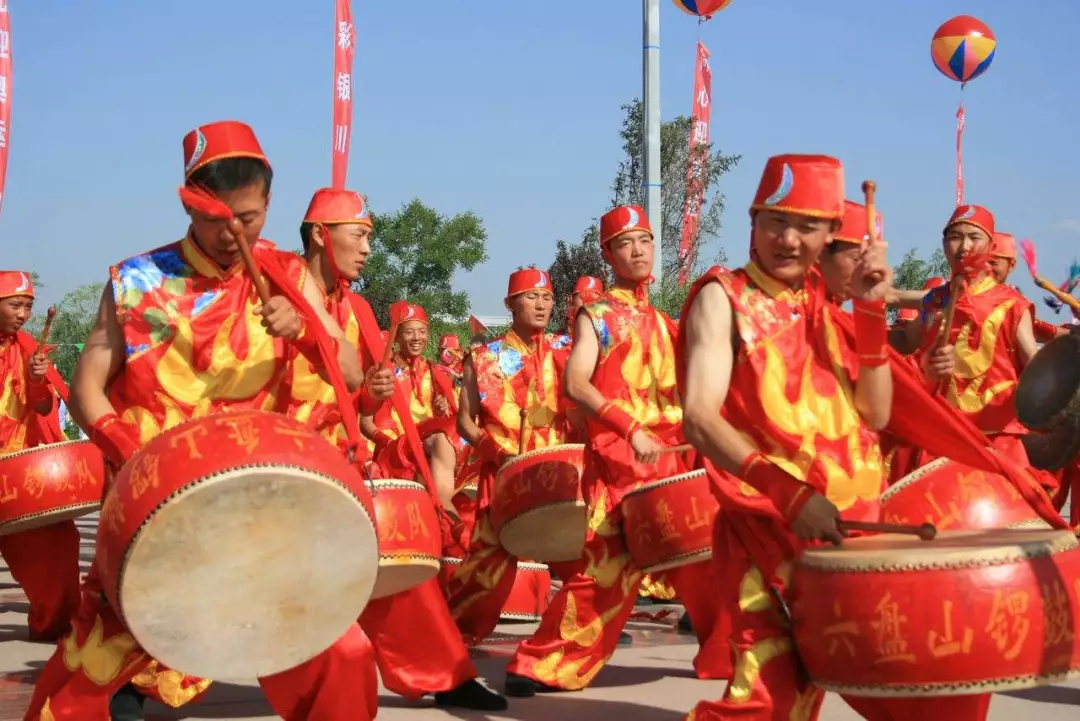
{"x":702,"y":8}
{"x":963,"y":48}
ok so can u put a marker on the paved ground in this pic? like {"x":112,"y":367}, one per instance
{"x":650,"y":681}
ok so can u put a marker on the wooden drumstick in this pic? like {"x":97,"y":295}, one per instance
{"x":522,"y":427}
{"x":869,"y":188}
{"x":44,"y":339}
{"x":391,"y":338}
{"x":1058,"y":293}
{"x":926,"y":531}
{"x":237,"y":229}
{"x":685,"y":447}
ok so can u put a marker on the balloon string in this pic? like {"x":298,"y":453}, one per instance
{"x":960,"y":149}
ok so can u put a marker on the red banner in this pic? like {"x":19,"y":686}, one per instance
{"x":344,"y":50}
{"x":5,"y":93}
{"x":960,"y":155}
{"x":697,"y":168}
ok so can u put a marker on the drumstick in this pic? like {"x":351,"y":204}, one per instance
{"x":676,"y":449}
{"x":388,"y":352}
{"x":237,"y":229}
{"x":522,"y":427}
{"x":869,"y":188}
{"x":926,"y":531}
{"x":1061,"y":295}
{"x":955,"y":287}
{"x":47,"y":329}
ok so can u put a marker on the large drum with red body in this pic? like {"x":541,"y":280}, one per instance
{"x":969,"y":612}
{"x":953,"y":496}
{"x":238,"y":545}
{"x":668,"y":523}
{"x":48,"y":484}
{"x":410,"y":540}
{"x":537,"y":509}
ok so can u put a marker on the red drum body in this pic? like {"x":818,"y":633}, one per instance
{"x":409,"y":538}
{"x":471,"y":490}
{"x":668,"y":523}
{"x":238,"y":545}
{"x":953,"y":496}
{"x":448,"y":566}
{"x":537,"y":510}
{"x":970,"y":612}
{"x":529,"y":597}
{"x":48,"y":484}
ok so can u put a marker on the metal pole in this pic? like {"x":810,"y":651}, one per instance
{"x":651,"y":80}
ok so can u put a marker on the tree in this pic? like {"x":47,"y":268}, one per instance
{"x":415,"y":254}
{"x":629,"y":185}
{"x":571,"y":262}
{"x":913,"y":272}
{"x":75,"y":316}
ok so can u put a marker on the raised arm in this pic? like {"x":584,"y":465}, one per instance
{"x":347,"y":355}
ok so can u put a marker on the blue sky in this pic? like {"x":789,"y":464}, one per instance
{"x":512,"y":110}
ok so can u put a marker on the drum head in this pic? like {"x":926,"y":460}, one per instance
{"x":56,"y":515}
{"x":1049,"y":383}
{"x":249,"y":573}
{"x":402,"y":573}
{"x":549,"y":534}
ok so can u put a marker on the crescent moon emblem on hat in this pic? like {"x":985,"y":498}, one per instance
{"x":25,"y":284}
{"x":969,"y":213}
{"x":197,"y":152}
{"x":787,"y":183}
{"x":635,"y":219}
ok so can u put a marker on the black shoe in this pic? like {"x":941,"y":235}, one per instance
{"x":685,"y":626}
{"x":625,"y":639}
{"x":127,"y":704}
{"x":525,"y":687}
{"x":471,"y":695}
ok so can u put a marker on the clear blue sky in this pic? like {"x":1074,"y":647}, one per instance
{"x":512,"y":110}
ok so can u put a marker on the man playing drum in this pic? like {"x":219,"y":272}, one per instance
{"x":759,"y":344}
{"x":44,"y":561}
{"x":621,"y":371}
{"x":181,"y":334}
{"x":417,"y":646}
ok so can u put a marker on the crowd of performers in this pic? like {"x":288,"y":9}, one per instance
{"x":810,"y":394}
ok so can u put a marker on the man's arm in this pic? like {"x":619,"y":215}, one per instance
{"x":581,"y":365}
{"x":469,"y":406}
{"x":347,"y":355}
{"x":905,"y":299}
{"x":1025,"y":339}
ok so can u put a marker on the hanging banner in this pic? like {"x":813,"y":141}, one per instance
{"x":697,"y":167}
{"x":344,"y":50}
{"x":5,"y":93}
{"x":960,"y":155}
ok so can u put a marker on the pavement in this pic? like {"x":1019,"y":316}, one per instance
{"x":650,"y":680}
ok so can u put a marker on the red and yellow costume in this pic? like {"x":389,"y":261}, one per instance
{"x":194,"y":346}
{"x":43,"y":561}
{"x":792,"y":397}
{"x":417,"y":647}
{"x":635,"y":371}
{"x":512,"y":374}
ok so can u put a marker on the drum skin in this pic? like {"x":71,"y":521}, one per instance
{"x":669,"y":523}
{"x":48,"y":484}
{"x":529,"y":596}
{"x":237,"y":545}
{"x":971,"y":612}
{"x":953,"y":496}
{"x":537,"y":509}
{"x":409,"y":539}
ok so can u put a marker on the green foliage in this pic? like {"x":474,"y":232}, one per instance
{"x":913,"y":272}
{"x":75,"y":316}
{"x":415,"y":254}
{"x":571,"y":262}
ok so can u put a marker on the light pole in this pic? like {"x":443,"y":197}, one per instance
{"x":651,"y":126}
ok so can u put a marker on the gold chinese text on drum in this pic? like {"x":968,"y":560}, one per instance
{"x":1048,"y":401}
{"x":971,"y":612}
{"x":238,"y":545}
{"x":537,"y":509}
{"x":668,"y":523}
{"x":49,"y":484}
{"x":410,"y":541}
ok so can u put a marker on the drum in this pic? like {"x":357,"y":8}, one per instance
{"x":1049,"y":388}
{"x":970,"y":612}
{"x":48,"y":484}
{"x":1055,"y":448}
{"x":448,"y":566}
{"x":537,"y":510}
{"x":529,"y":596}
{"x":668,"y":523}
{"x":953,"y":496}
{"x":471,"y":490}
{"x":238,"y":545}
{"x":410,"y":540}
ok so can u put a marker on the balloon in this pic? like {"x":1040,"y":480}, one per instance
{"x":702,"y":8}
{"x":963,"y":48}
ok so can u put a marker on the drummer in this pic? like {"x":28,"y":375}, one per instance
{"x":588,"y":289}
{"x":621,"y":371}
{"x":417,"y":647}
{"x":137,"y":378}
{"x":743,"y":333}
{"x":510,"y":401}
{"x":1002,"y":264}
{"x":429,"y":390}
{"x":44,"y":561}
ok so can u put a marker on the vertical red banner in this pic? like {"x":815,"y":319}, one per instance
{"x":960,"y":155}
{"x":344,"y":50}
{"x":697,"y":168}
{"x":5,"y":93}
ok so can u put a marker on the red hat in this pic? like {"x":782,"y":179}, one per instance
{"x":587,"y":284}
{"x":15,"y":283}
{"x":403,"y":311}
{"x":933,"y":282}
{"x":907,"y":314}
{"x":854,"y":228}
{"x":330,"y":206}
{"x":810,"y":185}
{"x":526,"y":279}
{"x":226,"y":139}
{"x":449,"y":341}
{"x":623,"y":219}
{"x":975,"y":215}
{"x":1003,"y":246}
